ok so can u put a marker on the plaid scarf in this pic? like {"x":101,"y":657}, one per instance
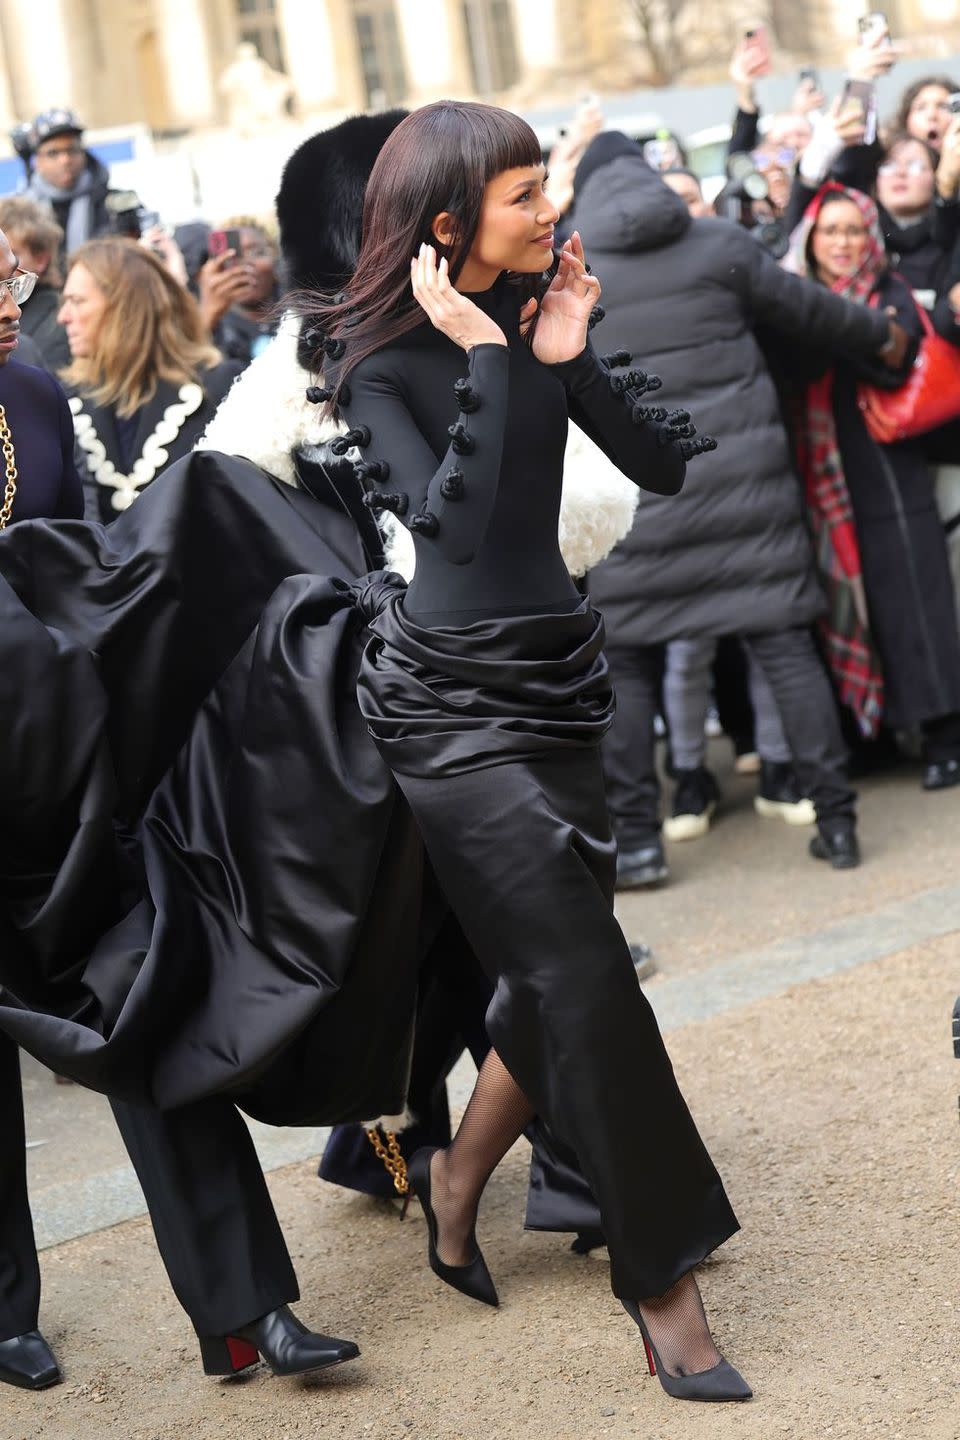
{"x":851,"y":653}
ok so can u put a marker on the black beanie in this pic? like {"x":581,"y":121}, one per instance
{"x":608,"y":145}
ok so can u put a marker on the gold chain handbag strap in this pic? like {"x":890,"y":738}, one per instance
{"x":10,"y":468}
{"x":390,"y":1154}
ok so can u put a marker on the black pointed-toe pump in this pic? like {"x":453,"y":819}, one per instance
{"x":720,"y":1382}
{"x":473,"y":1279}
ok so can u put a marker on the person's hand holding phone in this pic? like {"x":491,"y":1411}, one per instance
{"x":220,"y":284}
{"x":750,"y":62}
{"x":808,"y":96}
{"x":875,"y":54}
{"x":848,"y":119}
{"x":948,"y":170}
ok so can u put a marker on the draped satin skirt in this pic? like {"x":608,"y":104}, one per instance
{"x":211,"y":876}
{"x":492,"y":732}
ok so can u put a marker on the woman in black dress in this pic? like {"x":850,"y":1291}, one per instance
{"x":485,"y":689}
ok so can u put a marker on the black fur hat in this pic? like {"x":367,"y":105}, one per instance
{"x":320,"y":201}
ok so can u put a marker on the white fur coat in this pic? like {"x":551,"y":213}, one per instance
{"x":265,"y":417}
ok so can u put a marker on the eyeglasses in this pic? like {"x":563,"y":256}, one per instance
{"x":780,"y":159}
{"x":905,"y":167}
{"x":20,"y":285}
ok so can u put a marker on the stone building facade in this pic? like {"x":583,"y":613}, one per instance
{"x":160,"y":63}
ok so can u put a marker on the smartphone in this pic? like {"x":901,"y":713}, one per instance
{"x":757,"y":40}
{"x":220,"y":241}
{"x":865,"y":92}
{"x":809,"y":75}
{"x":870,"y":24}
{"x":953,"y":103}
{"x":661,"y":153}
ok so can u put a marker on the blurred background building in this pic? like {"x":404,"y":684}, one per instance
{"x":163,"y":63}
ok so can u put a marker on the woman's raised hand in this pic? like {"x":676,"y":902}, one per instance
{"x":445,"y":308}
{"x":561,"y":332}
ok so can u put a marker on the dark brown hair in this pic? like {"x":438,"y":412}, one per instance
{"x":911,"y":93}
{"x":440,"y":158}
{"x":903,"y":137}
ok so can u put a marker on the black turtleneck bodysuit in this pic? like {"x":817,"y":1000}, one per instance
{"x":468,"y":450}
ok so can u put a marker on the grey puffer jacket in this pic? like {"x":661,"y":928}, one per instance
{"x":731,"y":553}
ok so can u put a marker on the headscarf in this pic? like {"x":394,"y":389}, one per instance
{"x":850,"y":650}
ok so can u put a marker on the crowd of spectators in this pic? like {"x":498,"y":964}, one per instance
{"x":804,"y":583}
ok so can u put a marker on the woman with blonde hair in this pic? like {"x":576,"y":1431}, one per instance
{"x":144,"y":379}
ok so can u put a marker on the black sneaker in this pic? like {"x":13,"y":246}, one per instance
{"x":644,"y":866}
{"x":778,"y":795}
{"x":694,"y":801}
{"x":941,"y":774}
{"x":838,"y":844}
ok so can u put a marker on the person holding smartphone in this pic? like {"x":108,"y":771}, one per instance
{"x":238,"y":289}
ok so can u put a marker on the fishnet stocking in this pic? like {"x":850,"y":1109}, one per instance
{"x":678,"y":1328}
{"x":495,"y":1117}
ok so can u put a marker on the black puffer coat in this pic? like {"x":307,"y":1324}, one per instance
{"x":731,"y":553}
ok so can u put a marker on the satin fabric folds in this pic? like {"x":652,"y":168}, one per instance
{"x":199,"y":845}
{"x":492,"y":731}
{"x":213,"y":859}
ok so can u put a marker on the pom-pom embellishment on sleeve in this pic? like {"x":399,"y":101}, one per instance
{"x":619,"y":357}
{"x":467,"y":398}
{"x":394,"y":500}
{"x":318,"y":394}
{"x":596,"y":315}
{"x":451,"y":486}
{"x":425,"y":523}
{"x":334,"y":349}
{"x":635,"y":380}
{"x":701,"y":446}
{"x":377,"y":470}
{"x":359,"y":435}
{"x":678,"y":426}
{"x":647,"y":414}
{"x":463,"y":443}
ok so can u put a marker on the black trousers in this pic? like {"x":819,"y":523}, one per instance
{"x":795,"y":672}
{"x":212,"y":1215}
{"x":216,"y":1228}
{"x":19,"y":1271}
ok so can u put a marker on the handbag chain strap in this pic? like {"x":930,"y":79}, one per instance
{"x":10,"y":468}
{"x":392,"y":1157}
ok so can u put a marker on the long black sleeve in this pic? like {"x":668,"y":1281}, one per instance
{"x":806,"y":311}
{"x":634,"y":447}
{"x":746,"y":130}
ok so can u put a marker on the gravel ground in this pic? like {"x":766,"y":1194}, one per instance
{"x":831,"y":1111}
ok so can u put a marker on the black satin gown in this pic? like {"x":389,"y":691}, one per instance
{"x":258,"y":933}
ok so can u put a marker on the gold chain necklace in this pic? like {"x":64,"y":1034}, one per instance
{"x":10,"y":466}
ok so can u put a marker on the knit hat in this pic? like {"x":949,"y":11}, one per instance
{"x":608,"y":145}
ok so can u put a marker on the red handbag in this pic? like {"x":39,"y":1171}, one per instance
{"x":930,"y":396}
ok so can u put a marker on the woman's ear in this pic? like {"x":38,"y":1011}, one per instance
{"x":444,"y":228}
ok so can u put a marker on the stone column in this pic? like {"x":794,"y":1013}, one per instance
{"x":320,"y":59}
{"x":184,"y":49}
{"x":536,"y":25}
{"x":434,"y":50}
{"x":7,"y":114}
{"x":41,"y":62}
